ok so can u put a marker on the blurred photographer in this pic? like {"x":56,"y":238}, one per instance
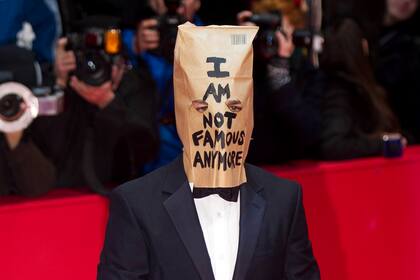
{"x":287,"y":84}
{"x":107,"y":128}
{"x":152,"y":47}
{"x":159,"y":27}
{"x":357,"y":119}
{"x":24,"y":168}
{"x":33,"y":24}
{"x":398,"y":63}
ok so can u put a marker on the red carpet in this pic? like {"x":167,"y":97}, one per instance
{"x":364,"y":219}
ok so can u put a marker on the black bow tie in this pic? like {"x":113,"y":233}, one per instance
{"x":229,"y":194}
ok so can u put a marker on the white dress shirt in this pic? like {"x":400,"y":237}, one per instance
{"x":219,"y":220}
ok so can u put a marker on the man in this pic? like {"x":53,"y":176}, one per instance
{"x":398,"y":63}
{"x":106,"y":131}
{"x":288,"y":88}
{"x":150,"y":49}
{"x":208,"y":215}
{"x":24,"y":169}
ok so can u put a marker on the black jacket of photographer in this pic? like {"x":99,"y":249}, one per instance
{"x":397,"y":69}
{"x":24,"y":170}
{"x":349,"y":121}
{"x":89,"y":145}
{"x":287,"y":113}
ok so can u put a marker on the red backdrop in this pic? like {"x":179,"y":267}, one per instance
{"x":363,"y":215}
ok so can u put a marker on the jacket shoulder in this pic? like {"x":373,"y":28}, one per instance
{"x":271,"y":183}
{"x":144,"y":186}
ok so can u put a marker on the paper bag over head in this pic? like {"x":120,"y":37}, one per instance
{"x":214,"y":101}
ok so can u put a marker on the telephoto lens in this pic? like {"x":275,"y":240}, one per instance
{"x":270,"y":20}
{"x":266,"y":43}
{"x":93,"y":69}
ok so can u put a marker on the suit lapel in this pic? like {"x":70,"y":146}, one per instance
{"x":252,"y":213}
{"x":180,"y":207}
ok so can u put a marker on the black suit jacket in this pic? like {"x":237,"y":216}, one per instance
{"x":154,"y":233}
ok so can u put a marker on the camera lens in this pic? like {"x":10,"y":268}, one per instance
{"x":91,"y":67}
{"x":94,"y":65}
{"x":94,"y":69}
{"x":266,"y":43}
{"x":10,"y":105}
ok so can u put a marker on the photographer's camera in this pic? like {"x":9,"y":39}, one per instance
{"x":22,"y":96}
{"x":95,"y":50}
{"x":266,"y":43}
{"x":168,"y":29}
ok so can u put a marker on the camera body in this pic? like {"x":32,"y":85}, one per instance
{"x":266,"y":43}
{"x":19,"y":105}
{"x":95,"y":50}
{"x":22,"y":96}
{"x":168,"y":29}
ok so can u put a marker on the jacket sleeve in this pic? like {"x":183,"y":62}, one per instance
{"x":130,"y":118}
{"x":340,"y":137}
{"x":125,"y":254}
{"x":31,"y":173}
{"x":298,"y":106}
{"x":300,"y":262}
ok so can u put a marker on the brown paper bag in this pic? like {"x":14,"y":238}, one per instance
{"x":213,"y":101}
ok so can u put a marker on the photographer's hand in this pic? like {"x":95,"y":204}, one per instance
{"x":242,"y":18}
{"x":13,"y":139}
{"x":147,"y":37}
{"x":404,"y":141}
{"x":100,"y":96}
{"x":65,"y":61}
{"x":285,"y":38}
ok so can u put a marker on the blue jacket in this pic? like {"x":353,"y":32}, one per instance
{"x":13,"y":13}
{"x":162,"y":72}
